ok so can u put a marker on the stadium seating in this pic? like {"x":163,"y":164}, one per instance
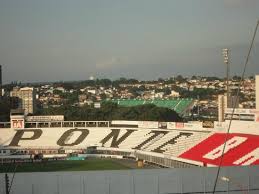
{"x":241,"y":149}
{"x":187,"y":142}
{"x":135,"y":139}
{"x":181,"y":144}
{"x":177,"y":104}
{"x":182,"y":105}
{"x":145,"y":140}
{"x":139,"y":139}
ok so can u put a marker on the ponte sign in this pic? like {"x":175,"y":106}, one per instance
{"x":240,"y":149}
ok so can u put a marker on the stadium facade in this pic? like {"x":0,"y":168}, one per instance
{"x":164,"y":143}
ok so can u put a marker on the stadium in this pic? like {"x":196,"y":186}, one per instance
{"x":188,"y":149}
{"x":46,"y":154}
{"x":157,"y":114}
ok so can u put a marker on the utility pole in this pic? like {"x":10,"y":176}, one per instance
{"x":6,"y":184}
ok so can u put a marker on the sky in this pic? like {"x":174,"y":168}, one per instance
{"x":62,"y":40}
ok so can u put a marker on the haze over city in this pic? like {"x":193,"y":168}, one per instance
{"x":144,"y":39}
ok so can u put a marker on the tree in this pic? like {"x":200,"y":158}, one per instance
{"x":58,"y":92}
{"x":251,"y":77}
{"x":103,"y":96}
{"x":111,"y":111}
{"x":180,"y":78}
{"x":161,"y":80}
{"x":213,"y":78}
{"x":103,"y":82}
{"x":5,"y":108}
{"x":236,"y":78}
{"x":194,"y":77}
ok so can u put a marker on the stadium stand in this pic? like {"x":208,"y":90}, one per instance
{"x":135,"y":139}
{"x":185,"y":143}
{"x":177,"y":104}
{"x":179,"y":141}
{"x":241,"y":149}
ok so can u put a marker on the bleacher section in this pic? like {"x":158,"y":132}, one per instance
{"x":241,"y":149}
{"x":180,"y":105}
{"x":135,"y":139}
{"x":184,"y":141}
{"x":169,"y":142}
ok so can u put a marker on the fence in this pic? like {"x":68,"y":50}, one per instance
{"x":157,"y":181}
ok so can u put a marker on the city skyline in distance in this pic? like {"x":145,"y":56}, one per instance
{"x":62,"y":40}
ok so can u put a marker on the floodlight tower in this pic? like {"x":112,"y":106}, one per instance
{"x":225,"y":53}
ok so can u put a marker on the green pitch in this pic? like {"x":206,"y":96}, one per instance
{"x":88,"y":164}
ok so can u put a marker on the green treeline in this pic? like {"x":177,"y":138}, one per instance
{"x":110,"y":111}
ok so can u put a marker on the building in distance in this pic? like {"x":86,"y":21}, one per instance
{"x":26,"y":99}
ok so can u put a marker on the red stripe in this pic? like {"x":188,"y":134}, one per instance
{"x":197,"y":152}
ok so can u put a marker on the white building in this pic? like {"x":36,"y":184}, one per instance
{"x":174,"y":94}
{"x":26,"y":99}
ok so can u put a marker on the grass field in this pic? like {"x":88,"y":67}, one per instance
{"x":89,"y":164}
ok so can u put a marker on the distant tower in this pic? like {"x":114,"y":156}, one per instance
{"x":225,"y":53}
{"x":0,"y":80}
